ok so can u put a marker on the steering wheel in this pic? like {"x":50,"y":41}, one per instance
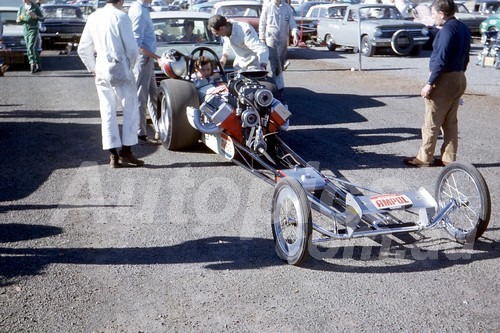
{"x":198,"y":52}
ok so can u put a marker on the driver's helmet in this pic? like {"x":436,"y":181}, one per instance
{"x":173,"y":64}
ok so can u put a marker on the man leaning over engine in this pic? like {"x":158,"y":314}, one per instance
{"x":250,"y":52}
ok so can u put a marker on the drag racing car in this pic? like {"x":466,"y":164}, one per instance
{"x":240,"y":118}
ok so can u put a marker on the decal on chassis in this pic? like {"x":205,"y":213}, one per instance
{"x":391,"y":201}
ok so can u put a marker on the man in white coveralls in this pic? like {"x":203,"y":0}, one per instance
{"x":275,"y":23}
{"x":108,"y":33}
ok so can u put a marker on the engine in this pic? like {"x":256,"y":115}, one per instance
{"x":244,"y":109}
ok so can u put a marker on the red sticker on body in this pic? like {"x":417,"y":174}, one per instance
{"x":227,"y":146}
{"x":391,"y":201}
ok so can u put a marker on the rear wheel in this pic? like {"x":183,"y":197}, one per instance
{"x":175,"y":130}
{"x":465,"y":184}
{"x":330,"y":43}
{"x":291,"y":221}
{"x":367,"y":49}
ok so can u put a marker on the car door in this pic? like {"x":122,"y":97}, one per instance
{"x":348,"y":30}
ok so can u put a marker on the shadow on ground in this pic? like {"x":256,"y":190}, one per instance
{"x":31,"y":151}
{"x":222,"y":253}
{"x":341,"y":147}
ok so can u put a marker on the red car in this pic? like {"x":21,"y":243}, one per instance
{"x":243,"y":11}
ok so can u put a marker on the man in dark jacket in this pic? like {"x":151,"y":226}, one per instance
{"x":445,"y":86}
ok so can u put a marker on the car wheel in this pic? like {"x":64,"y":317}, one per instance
{"x":367,"y":49}
{"x":173,"y":98}
{"x":330,"y":43}
{"x":291,"y":221}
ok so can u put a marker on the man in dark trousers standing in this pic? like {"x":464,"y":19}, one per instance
{"x":445,"y":86}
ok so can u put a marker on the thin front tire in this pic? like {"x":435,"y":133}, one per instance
{"x":464,"y":183}
{"x":291,"y":221}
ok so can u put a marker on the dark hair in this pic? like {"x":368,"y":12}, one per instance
{"x":217,"y":21}
{"x":448,"y":7}
{"x":113,"y":1}
{"x":201,"y":61}
{"x":188,"y":22}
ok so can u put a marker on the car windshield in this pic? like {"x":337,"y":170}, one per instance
{"x":336,"y":12}
{"x":461,"y":8}
{"x":182,"y":30}
{"x":8,"y":17}
{"x":239,"y":11}
{"x":376,"y":13}
{"x":490,"y":7}
{"x":304,"y":7}
{"x":62,"y":12}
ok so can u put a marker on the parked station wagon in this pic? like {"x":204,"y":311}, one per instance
{"x":382,"y":26}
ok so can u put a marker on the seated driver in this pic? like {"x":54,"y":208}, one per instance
{"x":189,"y":36}
{"x":204,"y":72}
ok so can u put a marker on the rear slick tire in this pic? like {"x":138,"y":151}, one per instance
{"x":175,"y":131}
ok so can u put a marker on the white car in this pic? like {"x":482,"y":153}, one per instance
{"x":327,"y":10}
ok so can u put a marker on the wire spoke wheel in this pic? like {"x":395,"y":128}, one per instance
{"x":291,"y":221}
{"x":463,"y":183}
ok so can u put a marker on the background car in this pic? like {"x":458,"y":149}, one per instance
{"x":205,"y":7}
{"x":183,"y":4}
{"x":382,"y":26}
{"x":423,"y":15}
{"x":63,"y":24}
{"x":169,"y":31}
{"x":307,"y":25}
{"x":485,"y":7}
{"x":491,"y":23}
{"x":243,"y":11}
{"x":319,"y":12}
{"x":13,"y":48}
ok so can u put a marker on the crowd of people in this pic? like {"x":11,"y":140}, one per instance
{"x":120,"y":50}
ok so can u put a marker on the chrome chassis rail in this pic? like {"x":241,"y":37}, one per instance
{"x":371,"y":223}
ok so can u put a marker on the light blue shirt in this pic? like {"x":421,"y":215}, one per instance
{"x":142,"y":25}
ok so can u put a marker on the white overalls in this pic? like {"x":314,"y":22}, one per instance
{"x":108,"y":33}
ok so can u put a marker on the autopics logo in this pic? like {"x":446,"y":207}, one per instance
{"x":201,"y":203}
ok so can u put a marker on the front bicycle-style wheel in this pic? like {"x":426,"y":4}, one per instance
{"x":291,"y":221}
{"x":465,"y":184}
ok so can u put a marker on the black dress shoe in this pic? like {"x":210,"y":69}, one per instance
{"x":415,"y":162}
{"x":439,"y":162}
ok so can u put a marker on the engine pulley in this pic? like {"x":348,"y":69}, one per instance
{"x":263,"y":97}
{"x":249,"y":118}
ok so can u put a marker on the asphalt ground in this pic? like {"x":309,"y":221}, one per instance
{"x":185,"y":243}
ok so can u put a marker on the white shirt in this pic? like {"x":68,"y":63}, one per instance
{"x":108,"y":33}
{"x":249,"y":51}
{"x":276,"y":21}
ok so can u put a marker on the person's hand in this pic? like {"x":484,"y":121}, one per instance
{"x":33,"y":15}
{"x":295,"y":40}
{"x":223,"y":60}
{"x":426,"y":91}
